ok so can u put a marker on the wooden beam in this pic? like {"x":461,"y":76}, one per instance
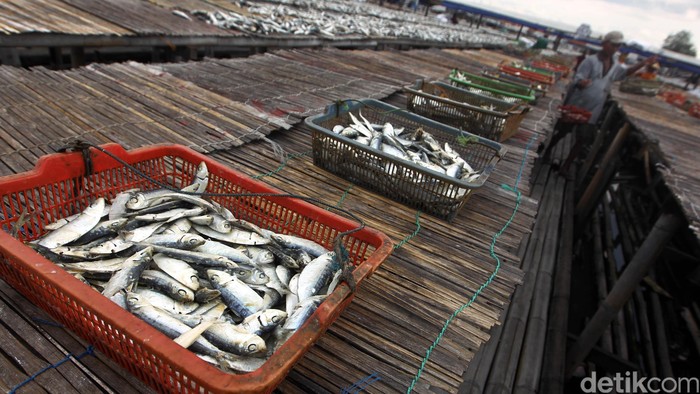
{"x":662,"y":232}
{"x":552,"y":380}
{"x":605,"y":170}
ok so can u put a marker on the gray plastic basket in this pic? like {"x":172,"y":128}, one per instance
{"x":406,"y":182}
{"x":490,"y":118}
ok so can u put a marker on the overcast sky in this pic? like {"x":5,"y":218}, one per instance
{"x":646,"y":21}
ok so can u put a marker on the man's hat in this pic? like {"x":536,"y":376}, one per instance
{"x":614,"y":37}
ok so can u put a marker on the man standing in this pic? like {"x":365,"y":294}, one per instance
{"x":590,"y":88}
{"x":596,"y":74}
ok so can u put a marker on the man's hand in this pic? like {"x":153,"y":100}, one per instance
{"x":651,"y":60}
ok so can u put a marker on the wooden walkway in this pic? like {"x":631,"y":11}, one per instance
{"x":398,"y":313}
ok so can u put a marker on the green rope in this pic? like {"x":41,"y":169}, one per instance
{"x":345,"y":194}
{"x":493,"y":274}
{"x":284,"y":163}
{"x":408,"y":238}
{"x":476,"y":294}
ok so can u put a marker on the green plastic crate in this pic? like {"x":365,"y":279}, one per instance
{"x":491,"y":88}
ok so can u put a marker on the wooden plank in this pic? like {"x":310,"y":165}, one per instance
{"x":98,"y":367}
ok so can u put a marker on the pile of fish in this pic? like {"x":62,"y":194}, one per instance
{"x":484,"y":92}
{"x":221,"y":286}
{"x":331,"y":19}
{"x":417,"y":146}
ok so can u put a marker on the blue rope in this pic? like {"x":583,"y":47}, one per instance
{"x":89,"y":350}
{"x":522,"y":163}
{"x":490,"y":278}
{"x":361,"y":384}
{"x":46,"y":322}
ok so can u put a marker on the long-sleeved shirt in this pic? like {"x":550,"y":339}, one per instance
{"x":592,"y":98}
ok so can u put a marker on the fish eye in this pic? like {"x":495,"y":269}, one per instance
{"x":252,"y":347}
{"x":181,"y":293}
{"x":242,"y":273}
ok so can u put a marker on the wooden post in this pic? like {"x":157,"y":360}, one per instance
{"x":645,"y":330}
{"x":665,"y":368}
{"x":606,"y":340}
{"x":692,"y":327}
{"x":598,"y":184}
{"x":56,"y":56}
{"x":597,"y":143}
{"x":77,"y":57}
{"x":10,"y":57}
{"x":664,"y":228}
{"x":520,"y":32}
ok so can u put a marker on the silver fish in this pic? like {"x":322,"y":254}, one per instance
{"x":118,"y":209}
{"x":181,"y":241}
{"x":140,"y":233}
{"x":204,"y":295}
{"x":75,"y":228}
{"x":302,"y":312}
{"x":166,"y":303}
{"x":231,"y":338}
{"x":251,"y":275}
{"x":233,"y":254}
{"x":108,"y":266}
{"x":214,"y":221}
{"x":166,"y":324}
{"x":294,"y":242}
{"x":284,"y":274}
{"x":171,"y":215}
{"x":236,"y":236}
{"x":141,"y":200}
{"x":238,"y":296}
{"x":316,"y":275}
{"x":177,"y":269}
{"x":201,"y":180}
{"x":131,"y":270}
{"x":235,"y":364}
{"x":197,"y":258}
{"x":112,"y":246}
{"x":166,"y":284}
{"x":258,"y":255}
{"x":73,"y":252}
{"x":264,"y":321}
{"x":180,"y":226}
{"x":101,"y":229}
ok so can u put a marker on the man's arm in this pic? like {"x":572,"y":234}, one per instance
{"x":646,"y":62}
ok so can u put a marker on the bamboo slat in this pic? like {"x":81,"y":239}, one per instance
{"x":143,"y":18}
{"x":53,"y":16}
{"x":398,"y":313}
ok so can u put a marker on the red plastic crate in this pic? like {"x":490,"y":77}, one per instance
{"x":694,"y":110}
{"x":58,"y":187}
{"x":574,"y":114}
{"x":543,"y":64}
{"x":527,"y":74}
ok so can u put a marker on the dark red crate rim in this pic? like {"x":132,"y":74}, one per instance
{"x":270,"y":374}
